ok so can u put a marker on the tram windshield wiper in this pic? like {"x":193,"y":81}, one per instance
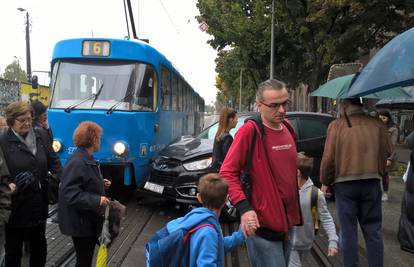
{"x":93,"y":95}
{"x":97,"y":94}
{"x":113,"y":107}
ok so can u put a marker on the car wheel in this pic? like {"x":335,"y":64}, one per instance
{"x":229,"y":214}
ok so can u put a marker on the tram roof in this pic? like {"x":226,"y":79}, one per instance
{"x":119,"y":49}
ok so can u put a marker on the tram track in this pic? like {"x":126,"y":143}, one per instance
{"x":143,"y":219}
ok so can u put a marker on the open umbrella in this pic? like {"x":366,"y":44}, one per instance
{"x":392,"y":66}
{"x":338,"y":88}
{"x":400,"y":102}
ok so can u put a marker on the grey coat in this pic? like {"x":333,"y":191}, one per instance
{"x":302,"y":236}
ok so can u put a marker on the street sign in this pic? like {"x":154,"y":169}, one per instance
{"x":203,"y":26}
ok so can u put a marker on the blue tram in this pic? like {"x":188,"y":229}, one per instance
{"x":132,"y":91}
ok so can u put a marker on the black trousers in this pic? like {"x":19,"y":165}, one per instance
{"x":84,"y":248}
{"x":14,"y":244}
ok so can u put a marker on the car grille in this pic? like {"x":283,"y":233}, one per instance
{"x":161,"y":178}
{"x":167,"y":163}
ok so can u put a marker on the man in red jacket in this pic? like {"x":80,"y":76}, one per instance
{"x":273,"y":205}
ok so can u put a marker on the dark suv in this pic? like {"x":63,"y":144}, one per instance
{"x":175,"y":173}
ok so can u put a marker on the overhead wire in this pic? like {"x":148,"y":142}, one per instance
{"x":169,"y":17}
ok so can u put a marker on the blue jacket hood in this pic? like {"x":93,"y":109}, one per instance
{"x":193,"y":218}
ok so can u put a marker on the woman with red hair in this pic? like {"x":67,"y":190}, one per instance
{"x":82,"y":193}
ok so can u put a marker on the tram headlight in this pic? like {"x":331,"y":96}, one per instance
{"x":120,"y":148}
{"x":56,"y":145}
{"x":198,"y":164}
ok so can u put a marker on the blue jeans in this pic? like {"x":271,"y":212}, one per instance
{"x":360,"y":201}
{"x":265,"y":253}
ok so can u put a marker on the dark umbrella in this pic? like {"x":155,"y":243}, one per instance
{"x":392,"y":66}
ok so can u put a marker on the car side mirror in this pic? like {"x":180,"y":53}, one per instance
{"x":35,"y":83}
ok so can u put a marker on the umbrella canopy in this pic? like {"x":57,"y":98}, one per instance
{"x":392,"y":66}
{"x":398,"y":103}
{"x":338,"y":88}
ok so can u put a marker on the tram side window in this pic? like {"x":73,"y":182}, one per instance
{"x":166,"y":89}
{"x":185,"y":97}
{"x":174,"y":92}
{"x":180,"y":95}
{"x":145,"y":95}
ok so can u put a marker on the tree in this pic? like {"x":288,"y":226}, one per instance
{"x":310,"y":36}
{"x":13,"y":72}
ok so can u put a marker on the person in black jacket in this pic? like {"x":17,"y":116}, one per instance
{"x":5,"y":203}
{"x":29,"y":157}
{"x":82,"y":194}
{"x":223,"y":139}
{"x":406,"y":224}
{"x":40,"y":117}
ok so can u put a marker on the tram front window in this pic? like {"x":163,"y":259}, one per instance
{"x":115,"y":86}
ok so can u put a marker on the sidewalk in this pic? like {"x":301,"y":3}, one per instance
{"x":403,"y":154}
{"x":393,"y":255}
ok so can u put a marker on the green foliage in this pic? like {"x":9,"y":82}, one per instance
{"x":13,"y":72}
{"x":400,"y":170}
{"x":310,"y":36}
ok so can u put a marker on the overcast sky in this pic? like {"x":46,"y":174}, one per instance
{"x":170,"y":25}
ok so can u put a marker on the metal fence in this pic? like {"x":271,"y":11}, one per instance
{"x":9,"y":92}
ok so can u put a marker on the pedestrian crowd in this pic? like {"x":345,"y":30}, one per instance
{"x":259,"y":172}
{"x":27,"y":165}
{"x":268,"y":182}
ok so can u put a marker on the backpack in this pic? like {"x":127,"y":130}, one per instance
{"x":170,"y":249}
{"x":314,"y":194}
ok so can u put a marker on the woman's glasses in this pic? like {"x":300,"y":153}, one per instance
{"x":24,"y":120}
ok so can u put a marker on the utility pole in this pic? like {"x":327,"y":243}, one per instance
{"x":28,"y":60}
{"x":272,"y":46}
{"x":240,"y":93}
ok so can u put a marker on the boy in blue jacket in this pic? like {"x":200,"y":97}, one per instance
{"x":207,"y":244}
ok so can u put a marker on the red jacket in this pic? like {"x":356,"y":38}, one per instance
{"x":266,"y":199}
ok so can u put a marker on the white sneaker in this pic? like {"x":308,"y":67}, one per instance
{"x":384,"y":197}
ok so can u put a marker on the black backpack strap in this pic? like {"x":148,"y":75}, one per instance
{"x":290,"y":129}
{"x":245,"y":175}
{"x":250,"y":159}
{"x":314,"y":207}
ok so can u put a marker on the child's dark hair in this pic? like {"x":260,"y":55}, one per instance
{"x":213,"y":190}
{"x":305,"y":164}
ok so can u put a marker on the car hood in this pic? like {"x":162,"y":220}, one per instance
{"x":187,"y":148}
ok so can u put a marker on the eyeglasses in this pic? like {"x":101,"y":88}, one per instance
{"x":277,"y":105}
{"x":24,"y":120}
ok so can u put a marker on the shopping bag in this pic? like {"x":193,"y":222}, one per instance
{"x":104,"y":240}
{"x":102,"y":254}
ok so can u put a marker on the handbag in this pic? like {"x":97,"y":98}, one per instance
{"x":116,"y":213}
{"x":52,"y":188}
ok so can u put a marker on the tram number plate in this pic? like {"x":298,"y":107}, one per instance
{"x":154,"y":187}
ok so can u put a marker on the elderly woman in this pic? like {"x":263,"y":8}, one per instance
{"x":29,"y":157}
{"x":82,"y":194}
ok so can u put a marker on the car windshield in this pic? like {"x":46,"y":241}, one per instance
{"x":210,"y":132}
{"x":132,"y":86}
